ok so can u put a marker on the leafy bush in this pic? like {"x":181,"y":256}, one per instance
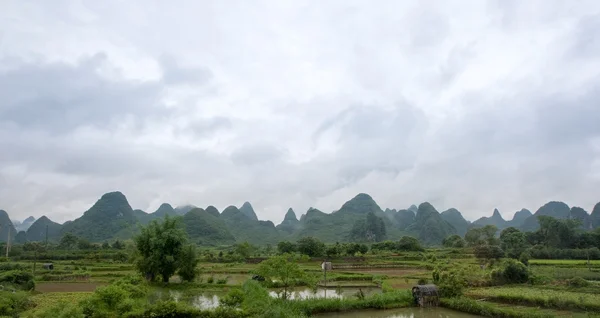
{"x":578,"y":282}
{"x":19,"y":279}
{"x":512,"y":272}
{"x":11,"y":304}
{"x":233,"y":299}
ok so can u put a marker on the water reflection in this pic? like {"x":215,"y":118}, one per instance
{"x":210,"y":300}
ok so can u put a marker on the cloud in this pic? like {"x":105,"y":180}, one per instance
{"x":480,"y":106}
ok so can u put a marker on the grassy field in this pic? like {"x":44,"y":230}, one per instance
{"x":75,"y":280}
{"x":546,"y":298}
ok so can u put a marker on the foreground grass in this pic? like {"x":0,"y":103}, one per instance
{"x":546,"y":298}
{"x":486,"y":309}
{"x":42,"y":302}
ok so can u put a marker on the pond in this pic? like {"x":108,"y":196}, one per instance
{"x":210,"y":299}
{"x":400,"y":313}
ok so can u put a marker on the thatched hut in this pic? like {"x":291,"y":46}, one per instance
{"x":426,"y":295}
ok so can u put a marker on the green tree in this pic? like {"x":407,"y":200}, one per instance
{"x":311,"y":246}
{"x":245,"y":249}
{"x":118,"y":245}
{"x":68,"y":241}
{"x":188,"y":261}
{"x":84,"y":244}
{"x":282,"y":268}
{"x":160,"y":246}
{"x":409,"y":243}
{"x":487,"y":253}
{"x":286,"y":247}
{"x":482,"y":235}
{"x":454,"y":241}
{"x":513,"y":242}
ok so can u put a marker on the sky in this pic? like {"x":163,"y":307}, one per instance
{"x":474,"y":104}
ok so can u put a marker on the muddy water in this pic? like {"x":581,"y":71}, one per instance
{"x":210,"y":300}
{"x":400,"y":313}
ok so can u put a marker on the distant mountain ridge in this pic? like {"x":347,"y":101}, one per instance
{"x":112,"y":217}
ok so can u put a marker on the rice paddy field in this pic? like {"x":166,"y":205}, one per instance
{"x":550,"y":294}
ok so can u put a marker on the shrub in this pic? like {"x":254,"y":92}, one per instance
{"x":11,"y":304}
{"x":233,"y":299}
{"x":512,"y":272}
{"x":19,"y":279}
{"x":578,"y":282}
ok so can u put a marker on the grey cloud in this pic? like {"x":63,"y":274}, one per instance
{"x":174,"y":73}
{"x":58,"y":97}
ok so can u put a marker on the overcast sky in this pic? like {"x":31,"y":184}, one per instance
{"x":468,"y":104}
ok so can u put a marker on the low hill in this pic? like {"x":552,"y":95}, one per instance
{"x":213,"y":211}
{"x":496,"y":219}
{"x":455,"y":218}
{"x":111,"y":216}
{"x":555,"y":209}
{"x":182,"y":210}
{"x":290,"y":223}
{"x":580,"y":214}
{"x":429,"y":226}
{"x":519,"y":218}
{"x":37,"y":231}
{"x":206,"y":229}
{"x":6,"y":227}
{"x":248,"y":211}
{"x":246,"y":229}
{"x":595,"y":216}
{"x":337,"y":226}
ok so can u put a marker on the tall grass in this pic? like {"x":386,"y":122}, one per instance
{"x":546,"y":298}
{"x":491,"y":310}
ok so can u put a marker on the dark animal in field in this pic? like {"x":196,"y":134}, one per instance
{"x":258,"y":278}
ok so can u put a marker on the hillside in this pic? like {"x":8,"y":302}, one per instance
{"x":6,"y":227}
{"x":37,"y":231}
{"x":248,"y":211}
{"x":429,"y":227}
{"x":519,"y":218}
{"x":404,"y":218}
{"x":595,"y":216}
{"x":455,"y":218}
{"x":496,"y":219}
{"x":245,"y":229}
{"x":337,"y":226}
{"x":289,"y":224}
{"x":206,"y":229}
{"x":555,"y":209}
{"x":580,"y":214}
{"x":110,"y":216}
{"x":213,"y":211}
{"x":182,"y":210}
{"x":23,"y":226}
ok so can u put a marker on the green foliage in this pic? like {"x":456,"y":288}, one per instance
{"x":486,"y":309}
{"x":450,"y":281}
{"x":578,"y":282}
{"x":160,"y":247}
{"x":282,"y":268}
{"x":68,"y":241}
{"x":18,"y":279}
{"x":558,"y":233}
{"x":409,"y":243}
{"x":512,"y":272}
{"x":188,"y":260}
{"x":487,"y":253}
{"x":11,"y":304}
{"x":454,"y":241}
{"x":311,"y":246}
{"x":513,"y":241}
{"x":233,"y":299}
{"x":286,"y":247}
{"x":486,"y":235}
